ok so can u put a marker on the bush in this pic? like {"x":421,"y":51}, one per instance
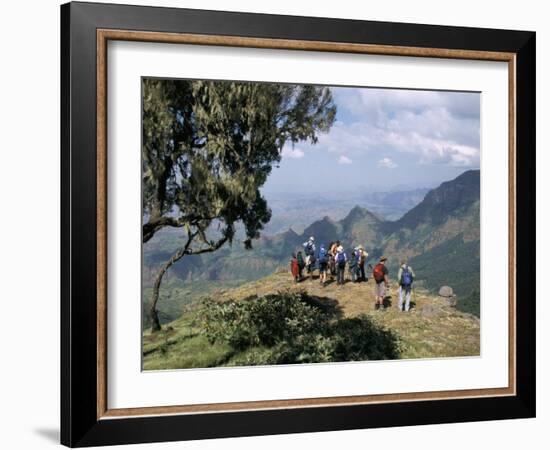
{"x":360,"y":337}
{"x":288,"y":328}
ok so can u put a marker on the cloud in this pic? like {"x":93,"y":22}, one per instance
{"x":344,"y":160}
{"x":290,"y":152}
{"x":387,"y":163}
{"x":433,"y":127}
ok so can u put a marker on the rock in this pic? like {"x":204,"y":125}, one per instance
{"x":446,"y":291}
{"x":447,"y":294}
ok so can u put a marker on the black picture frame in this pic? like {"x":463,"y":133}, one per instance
{"x":80,"y":425}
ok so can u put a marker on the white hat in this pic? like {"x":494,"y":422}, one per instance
{"x":311,"y":238}
{"x":340,"y":249}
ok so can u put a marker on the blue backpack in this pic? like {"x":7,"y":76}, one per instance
{"x":341,"y":258}
{"x":406,"y":277}
{"x":323,"y":255}
{"x":309,"y":249}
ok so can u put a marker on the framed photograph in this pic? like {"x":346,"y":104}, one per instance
{"x":277,"y":224}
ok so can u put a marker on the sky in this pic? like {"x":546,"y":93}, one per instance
{"x":385,"y":139}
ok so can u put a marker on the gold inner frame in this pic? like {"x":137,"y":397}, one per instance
{"x":104,"y":35}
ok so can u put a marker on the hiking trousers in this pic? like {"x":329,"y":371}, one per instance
{"x":362,"y":272}
{"x":341,"y":272}
{"x":406,"y":292}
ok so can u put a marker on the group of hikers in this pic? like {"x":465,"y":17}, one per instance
{"x":333,"y":260}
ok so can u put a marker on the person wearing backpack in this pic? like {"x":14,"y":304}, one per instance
{"x":340,"y":260}
{"x":380,"y":275}
{"x":406,"y":279}
{"x":309,"y":250}
{"x":323,"y":264}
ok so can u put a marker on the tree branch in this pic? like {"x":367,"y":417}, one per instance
{"x":213,"y":247}
{"x":151,"y":227}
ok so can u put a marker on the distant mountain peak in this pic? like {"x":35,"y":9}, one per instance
{"x":359,"y":213}
{"x":447,"y":199}
{"x":290,"y":233}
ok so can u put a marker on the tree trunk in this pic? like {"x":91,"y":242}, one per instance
{"x":155,"y":322}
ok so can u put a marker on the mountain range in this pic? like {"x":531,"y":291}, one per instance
{"x":439,"y":236}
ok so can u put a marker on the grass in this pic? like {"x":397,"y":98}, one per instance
{"x":180,"y":345}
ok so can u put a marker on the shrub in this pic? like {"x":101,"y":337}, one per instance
{"x":360,"y":338}
{"x":288,"y":328}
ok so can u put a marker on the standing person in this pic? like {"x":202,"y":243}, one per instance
{"x":340,"y":260}
{"x":353,"y":266}
{"x":380,"y":275}
{"x":406,"y":279}
{"x":301,"y":265}
{"x":332,"y":261}
{"x":323,"y":264}
{"x":309,"y":250}
{"x":294,"y":269}
{"x":361,"y":263}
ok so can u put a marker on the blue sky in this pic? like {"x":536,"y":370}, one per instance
{"x":386,"y":139}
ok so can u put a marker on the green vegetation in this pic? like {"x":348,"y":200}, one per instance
{"x":176,"y":297}
{"x":454,"y":263}
{"x":470,"y":303}
{"x":292,"y":327}
{"x":281,"y":328}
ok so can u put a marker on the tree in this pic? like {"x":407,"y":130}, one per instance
{"x":208,"y":147}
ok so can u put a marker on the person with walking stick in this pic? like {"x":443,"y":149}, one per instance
{"x":405,"y":276}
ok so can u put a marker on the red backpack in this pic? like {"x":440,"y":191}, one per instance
{"x":378,"y":272}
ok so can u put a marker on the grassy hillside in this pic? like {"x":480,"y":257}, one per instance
{"x":454,"y":263}
{"x":274,"y":320}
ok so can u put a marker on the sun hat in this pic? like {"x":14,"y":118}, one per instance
{"x":383,"y":258}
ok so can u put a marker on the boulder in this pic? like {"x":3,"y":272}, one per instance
{"x":446,"y":291}
{"x":447,"y":294}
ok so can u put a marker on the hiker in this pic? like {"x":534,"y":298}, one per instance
{"x":340,"y":261}
{"x":294,"y":268}
{"x":309,"y":250}
{"x":362,"y":258}
{"x":380,"y":275}
{"x":406,"y":279}
{"x":301,"y":265}
{"x":323,"y":264}
{"x":332,"y":262}
{"x":353,"y":267}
